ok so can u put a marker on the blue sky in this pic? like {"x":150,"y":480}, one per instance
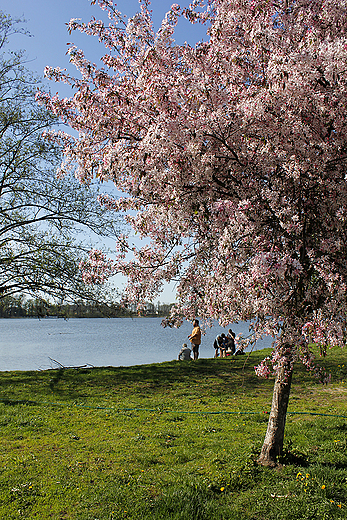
{"x":46,"y":21}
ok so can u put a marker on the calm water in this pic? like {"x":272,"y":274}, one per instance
{"x":30,"y":344}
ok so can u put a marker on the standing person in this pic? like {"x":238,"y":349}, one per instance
{"x":195,"y":339}
{"x":216,"y":345}
{"x":223,"y":345}
{"x":231,"y":341}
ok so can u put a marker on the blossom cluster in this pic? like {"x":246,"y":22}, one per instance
{"x":96,"y":269}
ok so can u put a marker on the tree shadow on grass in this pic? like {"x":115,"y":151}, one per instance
{"x":215,"y":376}
{"x":14,"y":402}
{"x":294,"y":457}
{"x":218,"y":377}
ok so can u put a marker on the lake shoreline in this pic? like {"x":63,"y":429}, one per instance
{"x":30,"y":344}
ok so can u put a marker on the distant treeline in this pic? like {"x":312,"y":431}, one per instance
{"x":20,"y":307}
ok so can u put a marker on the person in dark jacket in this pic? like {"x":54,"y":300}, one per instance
{"x":231,"y":342}
{"x":223,"y":346}
{"x":217,"y":345}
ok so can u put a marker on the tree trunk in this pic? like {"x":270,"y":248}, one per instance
{"x":273,"y":442}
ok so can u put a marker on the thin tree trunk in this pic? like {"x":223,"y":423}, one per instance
{"x":273,"y":442}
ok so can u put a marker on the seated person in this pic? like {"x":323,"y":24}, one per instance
{"x":184,"y":353}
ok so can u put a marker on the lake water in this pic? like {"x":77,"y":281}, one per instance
{"x":31,"y":344}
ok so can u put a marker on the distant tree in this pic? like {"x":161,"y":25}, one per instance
{"x":233,"y":155}
{"x":47,"y":224}
{"x":12,"y":306}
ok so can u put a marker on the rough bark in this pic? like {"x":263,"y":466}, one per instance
{"x":273,"y":442}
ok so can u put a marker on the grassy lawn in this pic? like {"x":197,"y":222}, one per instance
{"x":175,"y":440}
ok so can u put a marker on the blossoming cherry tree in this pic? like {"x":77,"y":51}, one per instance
{"x":231,"y":160}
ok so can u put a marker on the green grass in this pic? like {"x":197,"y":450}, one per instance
{"x":166,"y":441}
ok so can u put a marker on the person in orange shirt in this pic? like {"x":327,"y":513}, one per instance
{"x":195,"y":339}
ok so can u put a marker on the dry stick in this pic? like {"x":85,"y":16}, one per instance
{"x":62,"y":367}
